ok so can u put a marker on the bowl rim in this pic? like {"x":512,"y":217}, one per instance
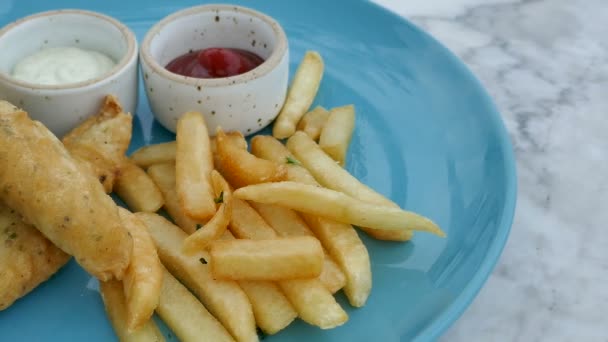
{"x":125,"y":61}
{"x":266,"y":67}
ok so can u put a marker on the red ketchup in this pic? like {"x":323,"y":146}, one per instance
{"x":214,"y":63}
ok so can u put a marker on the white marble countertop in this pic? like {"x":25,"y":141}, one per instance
{"x":545,"y":63}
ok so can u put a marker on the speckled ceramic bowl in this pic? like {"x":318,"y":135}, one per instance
{"x":62,"y":107}
{"x":246,"y":102}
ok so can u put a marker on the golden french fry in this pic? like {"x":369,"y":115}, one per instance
{"x":336,"y":206}
{"x":332,"y":276}
{"x":164,"y":177}
{"x":388,"y":235}
{"x":137,"y":189}
{"x":340,"y":239}
{"x":284,"y":221}
{"x":271,"y":308}
{"x":311,"y":299}
{"x":300,"y":95}
{"x":246,"y":223}
{"x":186,"y":316}
{"x":337,"y":132}
{"x":223,"y":298}
{"x":314,"y":303}
{"x":313,"y":121}
{"x":235,"y":138}
{"x":193,"y":166}
{"x":287,"y":223}
{"x":269,"y":148}
{"x":116,"y":309}
{"x":242,"y":168}
{"x":165,"y":152}
{"x":154,"y":154}
{"x":143,"y":279}
{"x":330,"y":175}
{"x":100,"y":142}
{"x":213,"y":230}
{"x":277,"y":259}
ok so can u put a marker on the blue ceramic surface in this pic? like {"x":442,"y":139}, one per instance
{"x":427,"y":135}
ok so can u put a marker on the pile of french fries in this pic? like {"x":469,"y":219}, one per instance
{"x":254,"y":236}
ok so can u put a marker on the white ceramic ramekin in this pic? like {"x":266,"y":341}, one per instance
{"x":62,"y":107}
{"x":246,"y":102}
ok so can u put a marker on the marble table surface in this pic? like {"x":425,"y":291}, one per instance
{"x":545,"y":63}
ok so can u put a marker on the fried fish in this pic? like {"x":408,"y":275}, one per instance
{"x":47,"y":187}
{"x":27,"y":258}
{"x":99,"y":143}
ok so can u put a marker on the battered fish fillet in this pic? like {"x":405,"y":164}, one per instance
{"x":42,"y":182}
{"x":100,"y":142}
{"x":27,"y":258}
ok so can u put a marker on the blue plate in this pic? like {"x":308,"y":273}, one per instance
{"x":427,"y":135}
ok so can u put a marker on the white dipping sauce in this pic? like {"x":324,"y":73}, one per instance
{"x":62,"y":65}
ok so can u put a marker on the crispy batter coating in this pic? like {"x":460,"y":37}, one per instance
{"x":100,"y":142}
{"x":27,"y":258}
{"x":42,"y":182}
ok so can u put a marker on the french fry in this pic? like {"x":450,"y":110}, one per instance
{"x":336,"y":206}
{"x":165,"y":152}
{"x":154,"y":154}
{"x":269,"y":148}
{"x":100,"y":142}
{"x":235,"y":139}
{"x":340,"y":239}
{"x":330,"y":175}
{"x":276,"y":259}
{"x":241,"y":168}
{"x":164,"y":177}
{"x":314,"y":303}
{"x":287,"y":223}
{"x":214,"y":229}
{"x":284,"y":221}
{"x":193,"y":165}
{"x":246,"y":223}
{"x":186,"y":316}
{"x":332,"y":276}
{"x":116,"y":309}
{"x":313,"y":121}
{"x":309,"y":296}
{"x":337,"y":132}
{"x":137,"y":189}
{"x":300,"y":95}
{"x":271,"y":309}
{"x":143,"y":279}
{"x":388,"y":235}
{"x":223,"y":298}
{"x":311,"y":299}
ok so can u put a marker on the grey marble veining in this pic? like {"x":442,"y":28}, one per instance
{"x":545,"y":63}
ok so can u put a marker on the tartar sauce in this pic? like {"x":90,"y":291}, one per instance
{"x":62,"y":65}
